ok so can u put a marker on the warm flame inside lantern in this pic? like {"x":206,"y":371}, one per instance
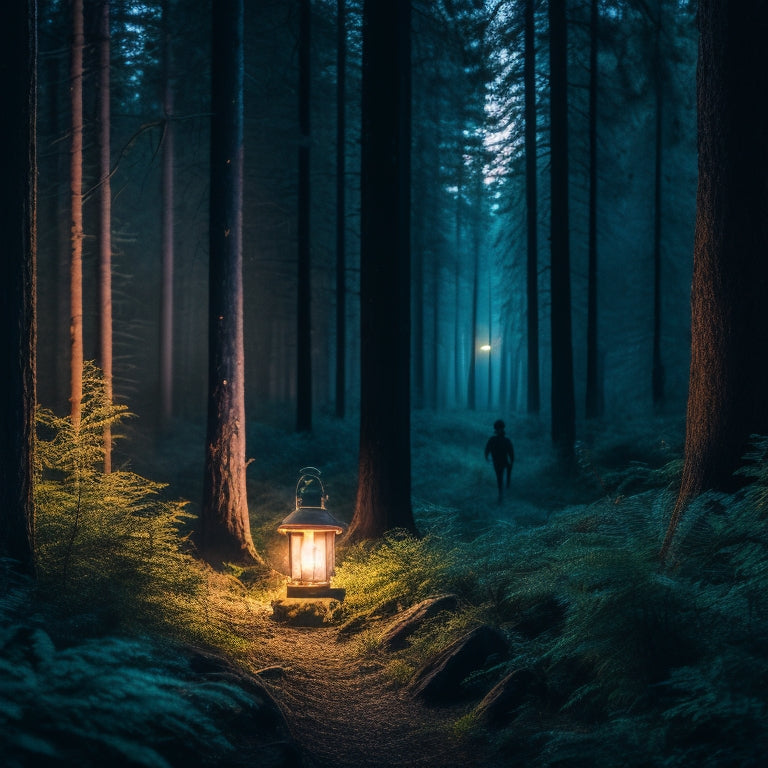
{"x":312,"y":532}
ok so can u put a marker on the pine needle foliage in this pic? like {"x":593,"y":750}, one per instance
{"x":109,"y":545}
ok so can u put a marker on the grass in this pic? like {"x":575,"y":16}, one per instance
{"x":664,"y":666}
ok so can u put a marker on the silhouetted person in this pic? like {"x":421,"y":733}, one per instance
{"x":499,"y":448}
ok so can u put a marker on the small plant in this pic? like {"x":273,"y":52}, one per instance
{"x":395,"y":573}
{"x":109,"y":545}
{"x":112,"y":700}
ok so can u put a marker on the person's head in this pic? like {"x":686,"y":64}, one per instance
{"x":498,"y":425}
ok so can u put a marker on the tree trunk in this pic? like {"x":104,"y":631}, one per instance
{"x":105,"y":224}
{"x":457,"y":345}
{"x":168,"y":256}
{"x":592,"y":398}
{"x":531,"y":207}
{"x":472,"y":375}
{"x":18,"y":206}
{"x":727,"y":400}
{"x":304,"y":293}
{"x":341,"y":224}
{"x":225,"y":526}
{"x":657,"y":382}
{"x":384,"y":474}
{"x":76,"y":202}
{"x":563,"y":406}
{"x":418,"y":298}
{"x":492,"y":349}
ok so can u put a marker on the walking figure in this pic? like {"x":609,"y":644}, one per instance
{"x":499,"y":448}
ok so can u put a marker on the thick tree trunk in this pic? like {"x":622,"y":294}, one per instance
{"x":592,"y":397}
{"x":531,"y":208}
{"x":384,"y":475}
{"x":304,"y":293}
{"x":225,"y":526}
{"x":18,"y":205}
{"x":76,"y":203}
{"x":168,"y":256}
{"x":105,"y":223}
{"x":727,"y":400}
{"x":341,"y":224}
{"x":563,"y":405}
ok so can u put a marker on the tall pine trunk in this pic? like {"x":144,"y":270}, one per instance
{"x":728,"y":382}
{"x":168,"y":256}
{"x":657,"y":382}
{"x":225,"y":526}
{"x":472,"y":374}
{"x":304,"y":293}
{"x":18,"y":207}
{"x":341,"y":224}
{"x":105,"y":223}
{"x":76,"y":207}
{"x":457,"y":345}
{"x":384,"y":472}
{"x":531,"y":209}
{"x":563,"y":405}
{"x":592,"y":397}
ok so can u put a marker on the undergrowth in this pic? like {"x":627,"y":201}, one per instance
{"x":125,"y":701}
{"x":109,"y":546}
{"x":97,"y":653}
{"x":643,"y":665}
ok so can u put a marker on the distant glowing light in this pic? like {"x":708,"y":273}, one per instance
{"x":485,"y":348}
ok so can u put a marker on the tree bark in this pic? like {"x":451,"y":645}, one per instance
{"x":563,"y":406}
{"x":472,"y":374}
{"x":384,"y":473}
{"x":341,"y":224}
{"x":728,"y":382}
{"x":457,"y":342}
{"x":225,"y":526}
{"x":304,"y":293}
{"x":168,"y":256}
{"x":105,"y":224}
{"x":657,"y":381}
{"x":76,"y":203}
{"x":531,"y":208}
{"x":18,"y":206}
{"x":592,"y":397}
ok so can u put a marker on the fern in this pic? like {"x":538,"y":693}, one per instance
{"x":397,"y":571}
{"x":108,"y":544}
{"x":111,"y":700}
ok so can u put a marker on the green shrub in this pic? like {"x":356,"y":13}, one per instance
{"x":109,"y":546}
{"x":395,"y":572}
{"x":119,"y":701}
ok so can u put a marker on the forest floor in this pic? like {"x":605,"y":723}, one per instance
{"x":341,"y":707}
{"x":344,"y":713}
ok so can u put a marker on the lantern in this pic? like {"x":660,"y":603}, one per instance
{"x":312,"y":532}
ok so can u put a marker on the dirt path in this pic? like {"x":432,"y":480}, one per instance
{"x":344,"y":714}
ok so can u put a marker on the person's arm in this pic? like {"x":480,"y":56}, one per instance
{"x":511,"y":451}
{"x":488,"y":448}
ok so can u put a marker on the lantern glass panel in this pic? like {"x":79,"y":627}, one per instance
{"x":313,"y":557}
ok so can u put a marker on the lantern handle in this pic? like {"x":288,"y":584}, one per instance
{"x":310,"y":471}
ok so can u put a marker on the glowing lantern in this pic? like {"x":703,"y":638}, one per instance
{"x":312,"y":532}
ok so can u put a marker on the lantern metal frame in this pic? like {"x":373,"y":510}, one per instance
{"x":311,"y":532}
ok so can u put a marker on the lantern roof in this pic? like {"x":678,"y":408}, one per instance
{"x":310,"y":519}
{"x":310,"y":513}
